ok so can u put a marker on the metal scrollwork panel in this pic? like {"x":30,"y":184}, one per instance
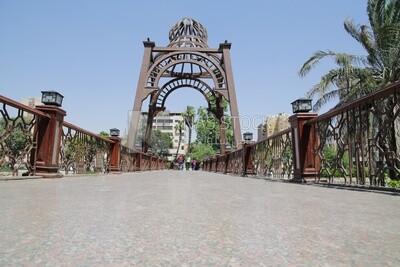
{"x":361,"y":145}
{"x":83,"y":153}
{"x":17,"y":139}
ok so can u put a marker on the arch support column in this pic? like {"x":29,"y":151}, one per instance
{"x":230,"y":84}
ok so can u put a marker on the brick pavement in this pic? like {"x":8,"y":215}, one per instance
{"x":171,"y":218}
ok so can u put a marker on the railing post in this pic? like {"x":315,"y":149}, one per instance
{"x":227,"y":158}
{"x":115,"y":154}
{"x":305,"y":162}
{"x":247,"y":159}
{"x":49,"y":132}
{"x":137,"y":161}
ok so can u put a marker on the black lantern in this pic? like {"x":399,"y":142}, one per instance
{"x":302,"y":105}
{"x":248,"y":136}
{"x":52,"y":98}
{"x":114,"y":132}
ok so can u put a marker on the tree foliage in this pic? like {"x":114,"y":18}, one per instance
{"x":17,"y":140}
{"x":207,"y":126}
{"x":161,"y":142}
{"x":201,"y":151}
{"x":179,"y":130}
{"x":189,"y":117}
{"x":355,"y":75}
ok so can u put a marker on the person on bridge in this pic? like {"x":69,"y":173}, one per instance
{"x":180,"y":162}
{"x":194,"y":163}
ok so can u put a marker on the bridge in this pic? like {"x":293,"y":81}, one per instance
{"x":317,"y":193}
{"x":185,"y":218}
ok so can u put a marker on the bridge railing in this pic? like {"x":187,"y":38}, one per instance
{"x":271,"y":157}
{"x":83,"y":151}
{"x":359,"y":142}
{"x":18,"y":138}
{"x":42,"y":143}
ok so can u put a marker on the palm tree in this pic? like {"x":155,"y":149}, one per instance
{"x":179,"y":129}
{"x":358,"y":75}
{"x":355,"y":76}
{"x":188,"y":116}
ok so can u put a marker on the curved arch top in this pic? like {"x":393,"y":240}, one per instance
{"x":197,"y":84}
{"x":186,"y":64}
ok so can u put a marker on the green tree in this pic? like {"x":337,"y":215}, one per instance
{"x":179,"y":129}
{"x":189,"y":116}
{"x":17,"y":138}
{"x":201,"y":151}
{"x":358,"y":75}
{"x":104,"y":134}
{"x":207,"y":127}
{"x":161,"y":142}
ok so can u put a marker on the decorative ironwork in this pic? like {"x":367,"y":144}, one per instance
{"x":268,"y":158}
{"x":186,"y":62}
{"x":82,"y":151}
{"x":128,"y":160}
{"x":273,"y":157}
{"x":18,"y":139}
{"x":359,"y":142}
{"x":186,"y":65}
{"x":188,"y":33}
{"x":174,"y":84}
{"x":235,"y":163}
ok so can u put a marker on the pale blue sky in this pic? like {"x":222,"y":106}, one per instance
{"x":91,"y":50}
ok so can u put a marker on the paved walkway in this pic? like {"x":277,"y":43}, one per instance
{"x":171,"y":218}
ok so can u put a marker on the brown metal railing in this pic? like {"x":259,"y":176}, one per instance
{"x":134,"y":160}
{"x":359,"y":142}
{"x":83,"y":151}
{"x":80,"y":150}
{"x":268,"y":158}
{"x":18,"y":139}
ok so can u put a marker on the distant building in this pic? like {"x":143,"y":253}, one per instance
{"x":30,"y":102}
{"x":272,"y":125}
{"x":165,"y":122}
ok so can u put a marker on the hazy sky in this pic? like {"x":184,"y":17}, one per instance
{"x":91,"y":51}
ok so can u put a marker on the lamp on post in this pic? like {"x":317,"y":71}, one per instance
{"x":115,"y":150}
{"x":302,"y":105}
{"x":52,"y":98}
{"x":246,"y":152}
{"x":248,"y":136}
{"x":114,"y":132}
{"x":49,"y":135}
{"x":304,"y":141}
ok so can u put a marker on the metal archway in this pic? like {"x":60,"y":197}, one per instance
{"x":186,"y":62}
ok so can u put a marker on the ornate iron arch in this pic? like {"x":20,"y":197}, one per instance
{"x":168,"y":65}
{"x":197,"y":84}
{"x":186,"y":62}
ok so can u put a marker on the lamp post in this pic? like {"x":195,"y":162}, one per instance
{"x":246,"y":156}
{"x":49,"y":135}
{"x":304,"y":141}
{"x":115,"y":150}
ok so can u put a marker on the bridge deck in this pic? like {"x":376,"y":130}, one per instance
{"x":193,"y":218}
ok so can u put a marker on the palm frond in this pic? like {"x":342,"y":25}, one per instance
{"x":314,"y":60}
{"x":326,"y":98}
{"x":352,"y":29}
